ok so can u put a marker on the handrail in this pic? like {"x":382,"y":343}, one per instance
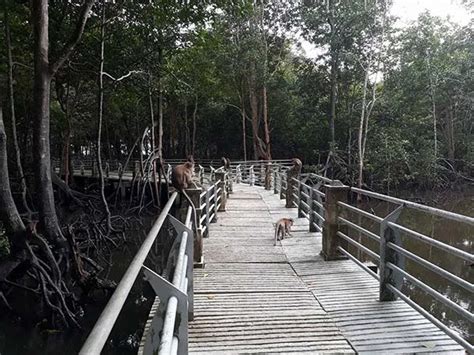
{"x":102,"y":328}
{"x":417,"y":206}
{"x":391,"y":253}
{"x":299,"y":193}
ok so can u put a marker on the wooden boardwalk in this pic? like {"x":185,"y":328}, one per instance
{"x":253,"y":297}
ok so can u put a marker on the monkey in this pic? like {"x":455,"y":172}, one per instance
{"x":181,"y":179}
{"x":297,"y":164}
{"x":282,"y":228}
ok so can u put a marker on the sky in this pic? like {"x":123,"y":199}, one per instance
{"x":408,"y":11}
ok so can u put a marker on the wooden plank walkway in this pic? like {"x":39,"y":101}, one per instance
{"x":253,"y":297}
{"x":248,"y":299}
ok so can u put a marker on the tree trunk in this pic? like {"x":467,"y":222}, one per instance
{"x":193,"y":144}
{"x":362,"y":131}
{"x":8,"y":212}
{"x":99,"y":121}
{"x":11,"y":96}
{"x":244,"y":133}
{"x":160,"y":110}
{"x":266,"y":124}
{"x":153,"y":144}
{"x":433,"y":108}
{"x":40,"y":112}
{"x":187,"y":132}
{"x":333,"y":99}
{"x":259,"y":151}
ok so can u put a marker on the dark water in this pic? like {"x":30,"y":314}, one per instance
{"x":16,"y":338}
{"x":453,"y":233}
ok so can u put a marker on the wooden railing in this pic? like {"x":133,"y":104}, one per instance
{"x":325,"y":203}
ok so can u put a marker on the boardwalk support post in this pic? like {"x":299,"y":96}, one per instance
{"x":275,"y":180}
{"x":300,"y":200}
{"x":251,"y":176}
{"x":221,"y":178}
{"x":208,"y":210}
{"x":388,"y":255}
{"x":238,"y":174}
{"x":268,"y":176}
{"x":331,"y":241}
{"x":214,"y":202}
{"x":228,"y":180}
{"x":195,"y":196}
{"x":282,"y":185}
{"x":312,"y":220}
{"x":291,"y":174}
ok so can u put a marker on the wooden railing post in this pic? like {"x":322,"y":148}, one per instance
{"x":251,"y":176}
{"x":201,"y":174}
{"x":195,"y":196}
{"x":214,"y":201}
{"x":291,"y":187}
{"x":238,"y":174}
{"x":229,"y":182}
{"x":282,"y":182}
{"x":275,"y":180}
{"x":221,"y":176}
{"x":331,"y":241}
{"x":208,"y":209}
{"x":388,"y":255}
{"x":312,"y":219}
{"x":268,"y":176}
{"x":300,"y":199}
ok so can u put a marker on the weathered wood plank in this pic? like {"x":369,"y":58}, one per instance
{"x":253,"y":297}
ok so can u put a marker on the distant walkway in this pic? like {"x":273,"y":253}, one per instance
{"x":253,"y":297}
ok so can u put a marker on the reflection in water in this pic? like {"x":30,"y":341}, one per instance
{"x":126,"y":335}
{"x":456,"y":234}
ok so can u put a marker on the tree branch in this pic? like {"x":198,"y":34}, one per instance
{"x":123,"y":76}
{"x":75,"y":38}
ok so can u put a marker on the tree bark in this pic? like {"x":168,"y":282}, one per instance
{"x":244,"y":133}
{"x":43,"y":73}
{"x":362,"y":131}
{"x":100,"y":118}
{"x":266,"y":125}
{"x":433,"y":107}
{"x":187,"y":133}
{"x":11,"y":96}
{"x":8,"y":212}
{"x":160,"y":109}
{"x":41,"y":121}
{"x":193,"y":144}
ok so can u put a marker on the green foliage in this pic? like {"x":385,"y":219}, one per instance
{"x":200,"y":55}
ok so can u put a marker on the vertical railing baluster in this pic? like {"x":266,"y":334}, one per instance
{"x":312,"y":219}
{"x":208,"y":210}
{"x":300,"y":198}
{"x":388,"y":255}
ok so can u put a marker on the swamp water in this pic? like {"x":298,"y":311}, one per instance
{"x":16,"y":339}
